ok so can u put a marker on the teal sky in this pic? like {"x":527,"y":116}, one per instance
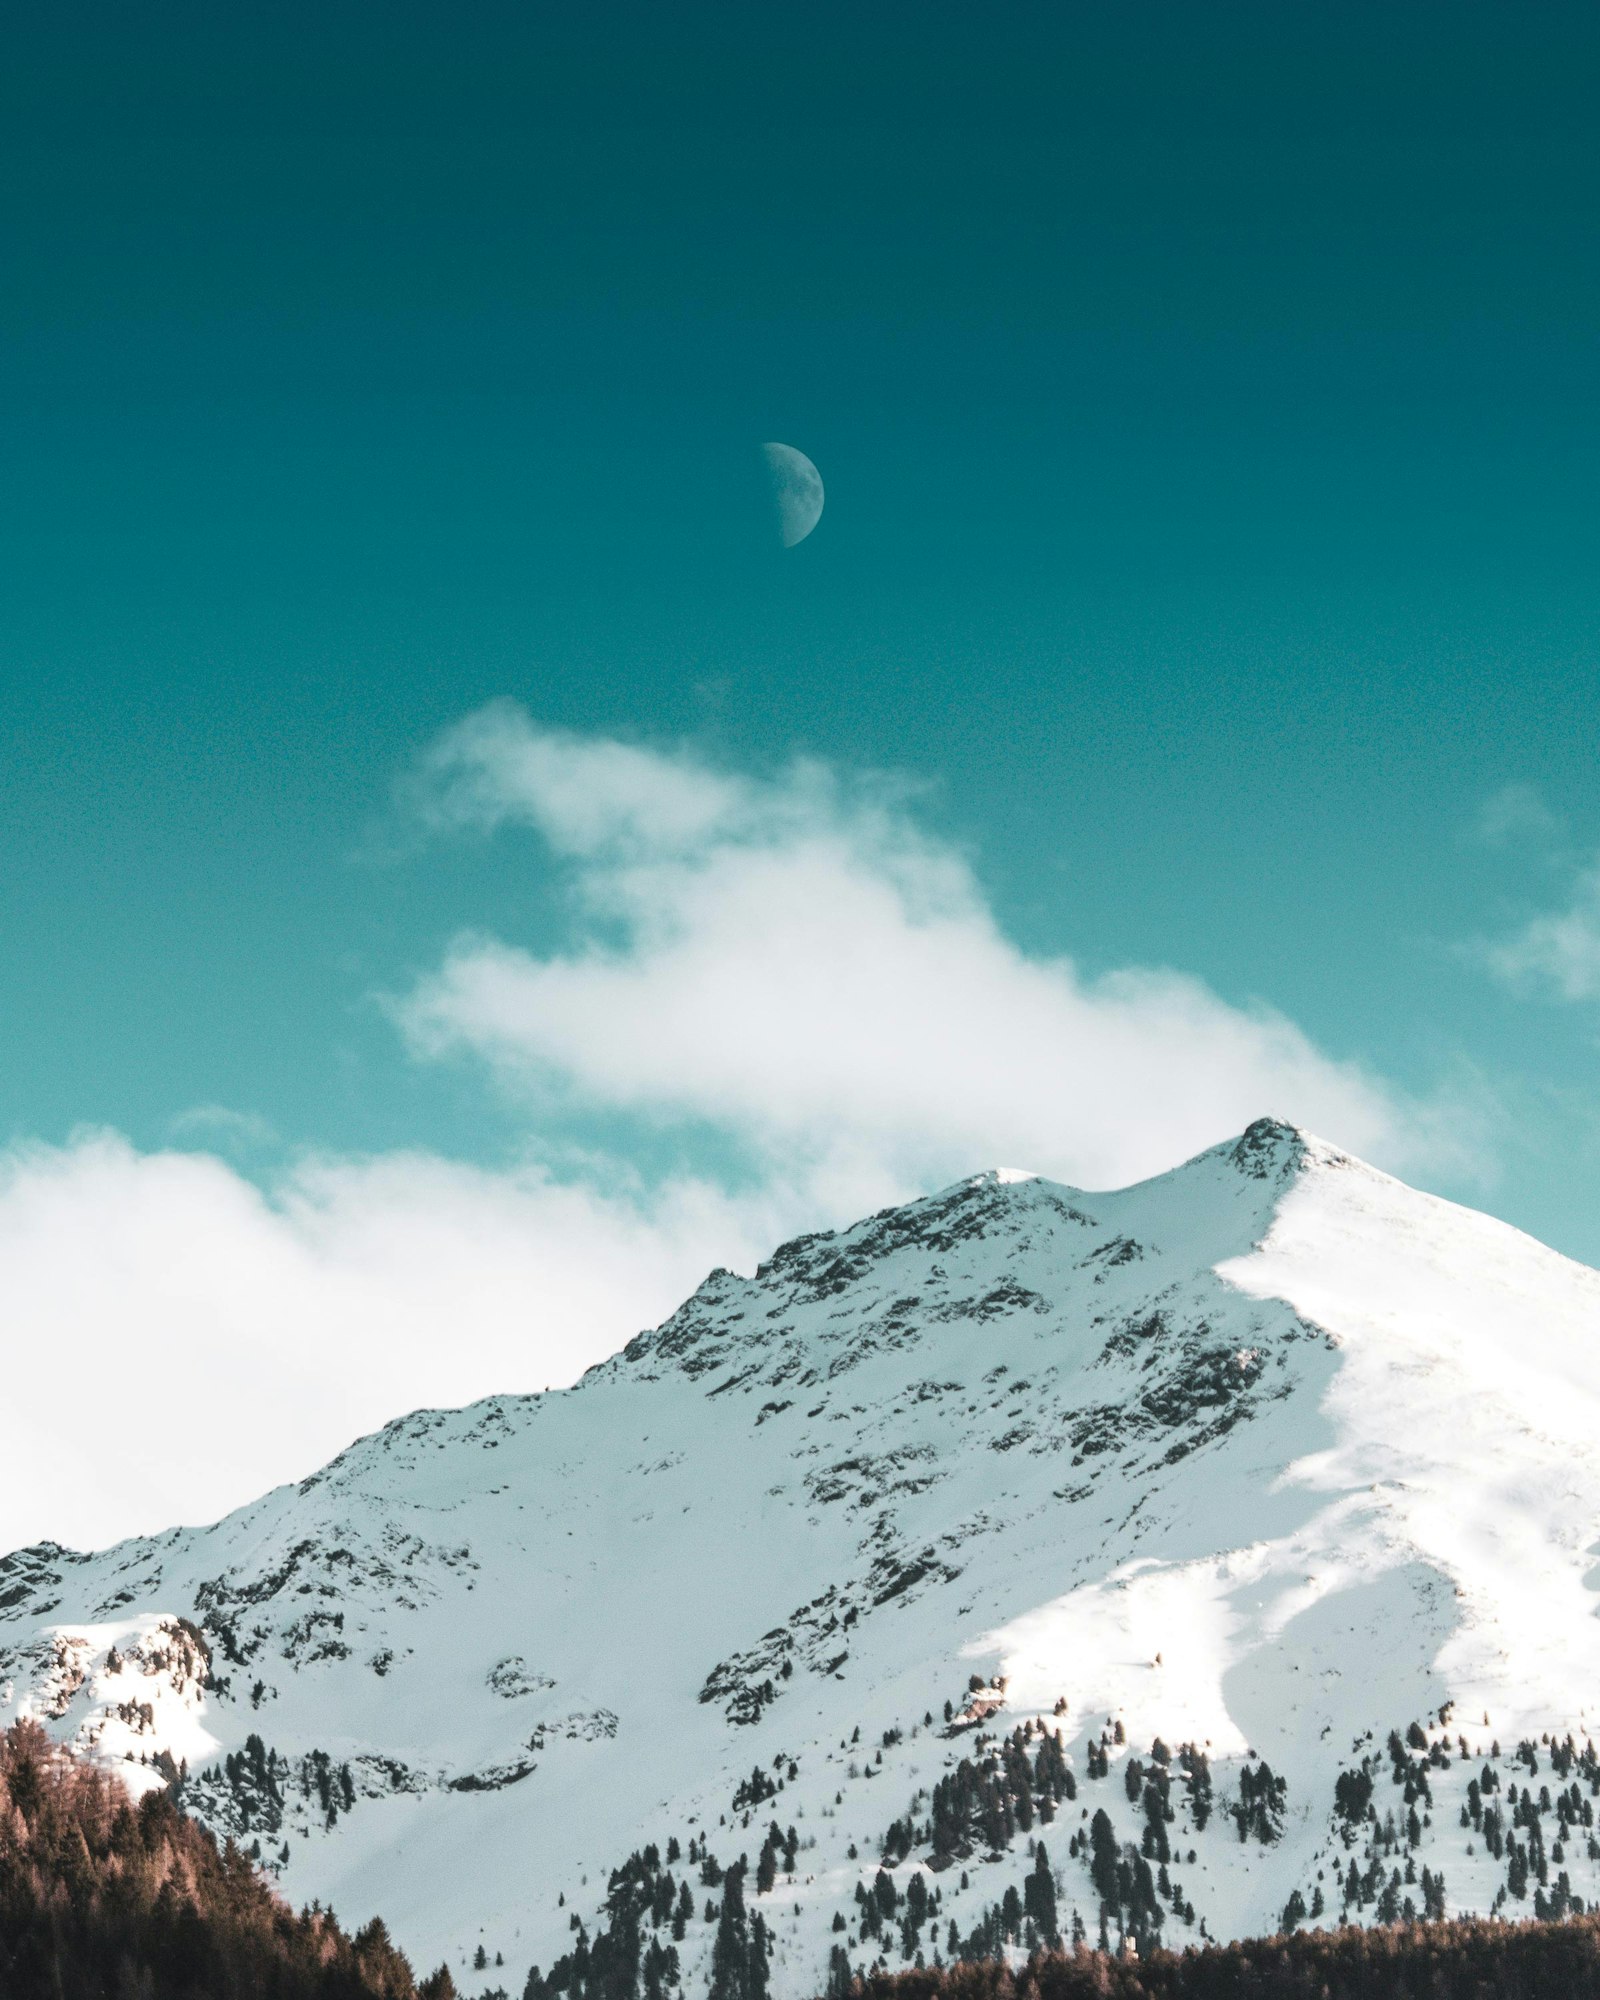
{"x":1207,"y":402}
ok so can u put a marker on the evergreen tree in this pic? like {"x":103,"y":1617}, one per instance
{"x":1103,"y":1859}
{"x":1039,"y":1898}
{"x":740,"y":1951}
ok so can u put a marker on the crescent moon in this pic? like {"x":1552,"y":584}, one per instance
{"x":796,"y":491}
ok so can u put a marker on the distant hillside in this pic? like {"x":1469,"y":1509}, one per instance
{"x":100,"y":1896}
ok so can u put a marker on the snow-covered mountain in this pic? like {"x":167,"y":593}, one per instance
{"x":939,"y":1537}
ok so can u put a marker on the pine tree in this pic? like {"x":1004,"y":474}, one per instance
{"x":739,"y":1953}
{"x":1039,"y":1897}
{"x":1103,"y":1860}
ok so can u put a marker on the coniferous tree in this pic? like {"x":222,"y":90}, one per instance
{"x":741,"y":1948}
{"x":1039,"y":1897}
{"x":1103,"y":1857}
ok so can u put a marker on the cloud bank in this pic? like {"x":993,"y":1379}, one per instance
{"x":179,"y":1341}
{"x":786,"y":978}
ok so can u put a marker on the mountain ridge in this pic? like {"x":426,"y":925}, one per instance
{"x":1240,"y":1458}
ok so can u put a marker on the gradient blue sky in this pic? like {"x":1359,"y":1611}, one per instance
{"x":1207,"y":401}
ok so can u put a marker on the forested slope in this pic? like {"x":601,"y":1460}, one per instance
{"x":101,"y":1896}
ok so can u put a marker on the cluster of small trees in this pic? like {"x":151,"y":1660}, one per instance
{"x":1028,"y":1920}
{"x":1529,"y":1860}
{"x":249,"y":1792}
{"x":1018,"y":1781}
{"x":1393,"y":1896}
{"x":1150,"y":1786}
{"x":777,"y":1846}
{"x":1124,"y":1883}
{"x":754,"y":1790}
{"x":743,"y":1945}
{"x":1497,"y":1813}
{"x":988,"y":1799}
{"x":1259,"y":1808}
{"x":634,"y":1952}
{"x":882,"y":1907}
{"x":99,"y":1896}
{"x":1196,"y":1768}
{"x":628,"y":1958}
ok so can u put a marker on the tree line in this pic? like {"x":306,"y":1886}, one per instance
{"x":1461,"y":1959}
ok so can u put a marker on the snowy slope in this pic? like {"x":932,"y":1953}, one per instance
{"x":1270,"y":1456}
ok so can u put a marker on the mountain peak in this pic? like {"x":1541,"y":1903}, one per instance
{"x":1274,"y":1153}
{"x":1261,"y":1462}
{"x":1269,"y":1149}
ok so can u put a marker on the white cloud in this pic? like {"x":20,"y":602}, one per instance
{"x":799,"y":965}
{"x":177,"y":1342}
{"x":584,"y":794}
{"x":1559,"y":951}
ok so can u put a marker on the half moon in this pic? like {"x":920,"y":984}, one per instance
{"x":796,"y":491}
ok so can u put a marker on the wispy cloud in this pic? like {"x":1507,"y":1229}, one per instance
{"x":220,"y":1125}
{"x":798,"y":963}
{"x":1517,"y":815}
{"x":1558,"y":952}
